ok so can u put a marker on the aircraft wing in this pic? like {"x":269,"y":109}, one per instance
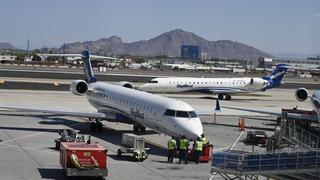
{"x":305,"y":117}
{"x":58,"y":112}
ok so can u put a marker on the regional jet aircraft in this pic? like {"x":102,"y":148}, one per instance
{"x":124,"y":104}
{"x":221,"y":86}
{"x":301,"y":94}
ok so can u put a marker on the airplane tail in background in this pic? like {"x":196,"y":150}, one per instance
{"x":88,"y":71}
{"x":274,"y":79}
{"x":86,"y":57}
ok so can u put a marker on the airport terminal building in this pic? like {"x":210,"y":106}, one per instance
{"x":302,"y":64}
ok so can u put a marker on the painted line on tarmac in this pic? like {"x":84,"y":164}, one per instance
{"x":36,"y":134}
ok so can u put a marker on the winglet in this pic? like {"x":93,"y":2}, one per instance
{"x":217,"y":109}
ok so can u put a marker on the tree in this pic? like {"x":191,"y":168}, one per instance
{"x":140,"y":60}
{"x":21,"y":56}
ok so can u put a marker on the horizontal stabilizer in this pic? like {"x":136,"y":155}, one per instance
{"x":57,"y":112}
{"x":76,"y":55}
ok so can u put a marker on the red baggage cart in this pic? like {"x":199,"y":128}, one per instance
{"x":82,"y":159}
{"x":206,"y":155}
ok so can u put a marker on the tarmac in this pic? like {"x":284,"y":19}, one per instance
{"x":15,"y":76}
{"x":27,"y":139}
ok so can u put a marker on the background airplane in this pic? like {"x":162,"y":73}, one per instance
{"x":122,"y":104}
{"x":301,"y":94}
{"x":221,"y":86}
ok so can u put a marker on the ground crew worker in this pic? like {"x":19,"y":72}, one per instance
{"x":172,"y":146}
{"x":198,"y":149}
{"x":204,"y":139}
{"x":183,"y":152}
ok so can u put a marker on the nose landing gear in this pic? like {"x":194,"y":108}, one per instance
{"x":138,"y":128}
{"x":95,"y":126}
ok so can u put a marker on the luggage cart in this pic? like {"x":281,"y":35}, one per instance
{"x":135,"y":145}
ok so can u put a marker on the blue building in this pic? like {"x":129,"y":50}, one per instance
{"x":190,"y":52}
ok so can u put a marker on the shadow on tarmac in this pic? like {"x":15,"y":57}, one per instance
{"x":109,"y":135}
{"x":59,"y":174}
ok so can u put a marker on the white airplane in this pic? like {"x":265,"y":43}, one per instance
{"x":301,"y":94}
{"x":221,"y":86}
{"x":123,"y":104}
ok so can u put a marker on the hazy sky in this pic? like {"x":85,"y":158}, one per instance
{"x":274,"y":26}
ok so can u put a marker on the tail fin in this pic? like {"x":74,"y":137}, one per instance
{"x":88,"y":71}
{"x":276,"y":76}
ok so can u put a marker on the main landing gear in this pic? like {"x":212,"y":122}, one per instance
{"x":138,"y":128}
{"x":220,"y":96}
{"x":95,"y":126}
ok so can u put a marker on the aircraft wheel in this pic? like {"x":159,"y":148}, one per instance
{"x":99,"y":127}
{"x":142,"y":129}
{"x":228,"y":97}
{"x":57,"y":145}
{"x":119,"y":153}
{"x":135,"y":128}
{"x":93,"y":127}
{"x":220,"y":96}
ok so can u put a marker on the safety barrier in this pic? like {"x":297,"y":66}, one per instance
{"x":274,"y":163}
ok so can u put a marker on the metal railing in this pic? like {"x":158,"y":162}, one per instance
{"x":275,"y":163}
{"x":302,"y":137}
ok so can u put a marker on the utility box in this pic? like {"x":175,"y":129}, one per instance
{"x":81,"y":159}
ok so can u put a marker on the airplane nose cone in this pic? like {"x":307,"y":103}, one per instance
{"x":197,"y":128}
{"x":192,"y":129}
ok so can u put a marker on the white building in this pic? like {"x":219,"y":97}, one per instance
{"x":5,"y":58}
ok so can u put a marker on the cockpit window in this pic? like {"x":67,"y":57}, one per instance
{"x":170,"y":112}
{"x":152,"y":81}
{"x":182,"y":114}
{"x":193,"y":114}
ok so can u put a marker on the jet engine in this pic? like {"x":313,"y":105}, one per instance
{"x":126,"y":84}
{"x":301,"y":94}
{"x":79,"y":87}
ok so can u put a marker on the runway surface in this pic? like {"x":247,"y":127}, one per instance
{"x":27,"y":147}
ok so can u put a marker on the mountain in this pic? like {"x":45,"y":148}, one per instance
{"x":5,"y":45}
{"x":169,"y":44}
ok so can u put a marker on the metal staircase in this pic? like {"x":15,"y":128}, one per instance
{"x":300,"y":137}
